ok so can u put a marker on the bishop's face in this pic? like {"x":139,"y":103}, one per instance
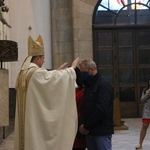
{"x":40,"y":61}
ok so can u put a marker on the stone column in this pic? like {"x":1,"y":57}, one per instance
{"x":82,"y":27}
{"x":4,"y":103}
{"x":62,"y":39}
{"x":4,"y":96}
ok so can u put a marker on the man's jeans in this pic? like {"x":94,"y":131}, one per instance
{"x":99,"y":142}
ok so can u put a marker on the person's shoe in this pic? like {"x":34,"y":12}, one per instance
{"x":139,"y":147}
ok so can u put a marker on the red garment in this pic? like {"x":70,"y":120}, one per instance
{"x":79,"y":140}
{"x":79,"y":99}
{"x":145,"y":120}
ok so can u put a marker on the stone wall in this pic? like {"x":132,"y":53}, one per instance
{"x":82,"y":27}
{"x":71,"y":29}
{"x":62,"y":42}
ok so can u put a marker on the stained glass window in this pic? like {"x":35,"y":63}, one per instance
{"x":118,"y":12}
{"x":118,"y":4}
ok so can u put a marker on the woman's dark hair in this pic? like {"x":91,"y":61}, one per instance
{"x":147,"y":87}
{"x":79,"y":79}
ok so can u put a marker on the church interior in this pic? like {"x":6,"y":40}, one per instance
{"x":114,"y":33}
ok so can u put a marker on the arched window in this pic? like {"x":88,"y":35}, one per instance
{"x":121,"y":12}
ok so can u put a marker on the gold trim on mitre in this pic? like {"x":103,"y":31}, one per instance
{"x":35,"y":48}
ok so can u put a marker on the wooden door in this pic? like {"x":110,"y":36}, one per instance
{"x":123,"y":56}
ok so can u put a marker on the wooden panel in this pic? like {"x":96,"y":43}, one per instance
{"x":1,"y":134}
{"x":129,"y":110}
{"x":122,"y":56}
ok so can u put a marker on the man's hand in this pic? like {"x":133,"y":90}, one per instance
{"x":83,"y":130}
{"x":63,"y":66}
{"x":75,"y":62}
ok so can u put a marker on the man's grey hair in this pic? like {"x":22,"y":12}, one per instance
{"x":89,"y":63}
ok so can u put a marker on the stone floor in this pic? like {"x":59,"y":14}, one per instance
{"x":122,"y":139}
{"x":128,"y":139}
{"x":8,"y":143}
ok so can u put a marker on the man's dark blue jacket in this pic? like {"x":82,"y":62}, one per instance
{"x":97,"y":110}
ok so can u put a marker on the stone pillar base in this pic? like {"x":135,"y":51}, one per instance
{"x":12,"y":108}
{"x":1,"y":134}
{"x":118,"y":124}
{"x":4,"y":97}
